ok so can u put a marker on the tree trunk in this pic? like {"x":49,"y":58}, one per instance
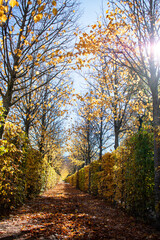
{"x":101,"y":139}
{"x":88,"y":160}
{"x":116,"y":141}
{"x":27,"y":126}
{"x":156,"y":124}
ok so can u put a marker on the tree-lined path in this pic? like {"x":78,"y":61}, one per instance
{"x":67,"y":213}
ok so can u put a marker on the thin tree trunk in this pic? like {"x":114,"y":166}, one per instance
{"x":27,"y":127}
{"x":101,"y":139}
{"x":88,"y":160}
{"x":156,"y":124}
{"x":116,"y":132}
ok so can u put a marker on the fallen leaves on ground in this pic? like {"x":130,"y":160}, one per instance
{"x":66,"y":213}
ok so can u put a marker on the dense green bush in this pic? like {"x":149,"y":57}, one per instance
{"x":95,"y":167}
{"x":125,"y":176}
{"x":139,"y":176}
{"x":81,"y":177}
{"x":23,"y":171}
{"x":33,"y":172}
{"x":12,"y":180}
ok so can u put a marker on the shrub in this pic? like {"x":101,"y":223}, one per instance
{"x":86,"y":179}
{"x":106,"y":179}
{"x":140,"y":173}
{"x":33,"y":171}
{"x":125,"y":176}
{"x":95,"y":167}
{"x":12,"y":182}
{"x":81,"y":177}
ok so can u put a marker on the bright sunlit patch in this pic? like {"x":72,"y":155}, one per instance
{"x":154,"y":51}
{"x":157,"y":52}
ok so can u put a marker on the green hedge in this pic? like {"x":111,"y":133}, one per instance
{"x":125,"y":176}
{"x":23,"y":171}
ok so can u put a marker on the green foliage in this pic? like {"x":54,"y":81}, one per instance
{"x":1,"y":113}
{"x":125,"y":176}
{"x":106,"y":181}
{"x":23,"y":171}
{"x":33,"y":171}
{"x":94,"y":177}
{"x":12,"y":183}
{"x":139,"y":176}
{"x":81,"y":178}
{"x":121,"y":156}
{"x":87,"y":178}
{"x":50,"y":177}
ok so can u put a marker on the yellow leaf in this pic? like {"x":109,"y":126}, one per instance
{"x":29,"y":2}
{"x":33,"y":13}
{"x":43,"y":59}
{"x":54,"y":3}
{"x":33,"y":38}
{"x":39,"y":1}
{"x":38,"y":17}
{"x":54,"y":11}
{"x":30,"y":57}
{"x":6,"y":8}
{"x":26,"y":42}
{"x":13,"y":3}
{"x":41,"y":8}
{"x":3,"y":18}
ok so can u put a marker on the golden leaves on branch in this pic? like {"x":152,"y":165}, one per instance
{"x":3,"y":11}
{"x":30,"y":57}
{"x":54,"y":3}
{"x":41,"y":8}
{"x":38,"y":17}
{"x":13,"y":3}
{"x":3,"y":17}
{"x":54,"y":11}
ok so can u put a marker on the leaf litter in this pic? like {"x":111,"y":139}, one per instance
{"x":67,"y":213}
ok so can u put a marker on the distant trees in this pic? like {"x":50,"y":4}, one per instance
{"x":83,"y":145}
{"x":114,"y":91}
{"x":90,"y":132}
{"x":129,"y":38}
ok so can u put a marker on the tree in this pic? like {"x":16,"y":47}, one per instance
{"x":115,"y":92}
{"x":143,"y":18}
{"x":48,"y":127}
{"x":98,"y":114}
{"x":131,"y":39}
{"x":83,"y":143}
{"x":33,"y":33}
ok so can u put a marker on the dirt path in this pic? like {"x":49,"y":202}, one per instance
{"x":66,"y":213}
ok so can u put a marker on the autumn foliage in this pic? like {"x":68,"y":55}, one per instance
{"x":125,"y":176}
{"x":23,"y":171}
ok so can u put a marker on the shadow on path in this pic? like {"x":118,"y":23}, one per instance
{"x":66,"y":213}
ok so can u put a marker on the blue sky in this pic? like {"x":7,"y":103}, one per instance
{"x":92,"y":9}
